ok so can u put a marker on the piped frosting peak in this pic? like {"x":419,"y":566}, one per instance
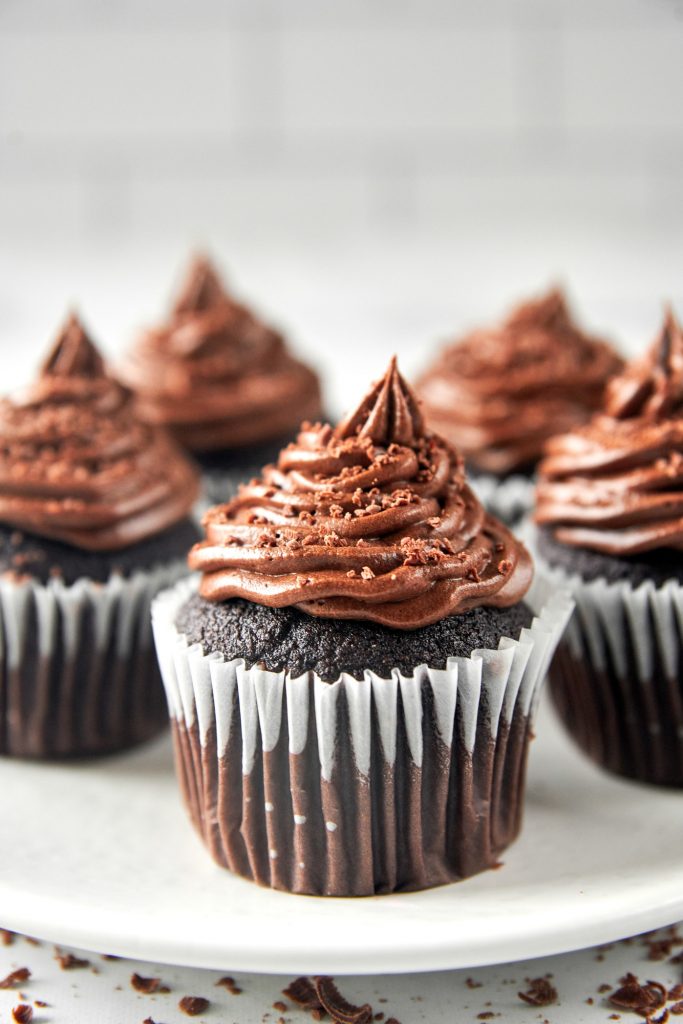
{"x":201,"y":290}
{"x":73,"y":354}
{"x":389,"y":413}
{"x":615,"y":485}
{"x":499,"y":392}
{"x":652,"y":387}
{"x":217,"y":376}
{"x":373,"y":520}
{"x":76,"y":463}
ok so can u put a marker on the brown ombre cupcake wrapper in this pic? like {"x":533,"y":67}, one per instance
{"x":617,"y":679}
{"x":509,"y":499}
{"x":79,"y":673}
{"x":358,"y":786}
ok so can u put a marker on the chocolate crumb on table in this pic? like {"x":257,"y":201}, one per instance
{"x":539,"y":993}
{"x":644,"y":999}
{"x":230,"y":985}
{"x":471,"y":983}
{"x":15,"y":978}
{"x":40,"y":1003}
{"x":339,"y":1008}
{"x":302,"y":992}
{"x":6,"y":936}
{"x":69,"y":962}
{"x":193,"y":1005}
{"x":280,"y":1006}
{"x":148,"y":986}
{"x":22,"y":1014}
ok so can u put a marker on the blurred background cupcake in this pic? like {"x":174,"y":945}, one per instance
{"x":353,"y":686}
{"x":500,"y":392}
{"x":221,"y":381}
{"x":610,"y":526}
{"x":94,"y":520}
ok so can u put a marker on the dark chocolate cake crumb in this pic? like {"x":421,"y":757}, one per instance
{"x":24,"y":554}
{"x":230,"y":985}
{"x":539,"y":993}
{"x":40,"y":1003}
{"x":302,"y":991}
{"x":471,"y":983}
{"x":6,"y":936}
{"x":340,"y":1009}
{"x":658,"y":566}
{"x":642,"y":999}
{"x":16,"y":978}
{"x":286,"y":638}
{"x":280,"y":1006}
{"x":22,"y":1014}
{"x":193,"y":1005}
{"x":148,"y":985}
{"x":69,"y":962}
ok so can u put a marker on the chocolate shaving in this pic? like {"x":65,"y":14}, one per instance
{"x":148,"y":985}
{"x":69,"y":962}
{"x":193,"y":1005}
{"x":6,"y":936}
{"x":22,"y":1014}
{"x":340,"y":1010}
{"x":539,"y":993}
{"x":302,"y":992}
{"x":16,"y":978}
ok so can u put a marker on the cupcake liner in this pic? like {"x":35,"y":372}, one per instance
{"x":358,"y":786}
{"x":79,"y":673}
{"x":617,"y":678}
{"x":509,"y":499}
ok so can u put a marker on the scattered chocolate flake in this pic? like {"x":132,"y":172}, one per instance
{"x":22,"y":1014}
{"x":40,"y":1003}
{"x":486,"y":1015}
{"x":643,"y":999}
{"x":392,"y":1020}
{"x":110,"y":956}
{"x":677,"y":1008}
{"x":614,"y":1016}
{"x":69,"y":962}
{"x":6,"y":936}
{"x":471,"y":983}
{"x":340,"y":1009}
{"x":148,"y":985}
{"x":31,"y":941}
{"x":604,"y":988}
{"x":193,"y":1005}
{"x":676,"y":992}
{"x":280,"y":1006}
{"x":539,"y":993}
{"x":230,"y":984}
{"x":302,"y":992}
{"x":590,"y":1001}
{"x":16,"y":978}
{"x":379,"y":1016}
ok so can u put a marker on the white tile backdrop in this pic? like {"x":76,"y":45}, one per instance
{"x":374,"y":172}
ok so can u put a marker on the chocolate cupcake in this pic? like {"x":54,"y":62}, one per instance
{"x":610,"y":526}
{"x":500,"y":392}
{"x":351,"y":688}
{"x":94,"y":521}
{"x":221,"y":381}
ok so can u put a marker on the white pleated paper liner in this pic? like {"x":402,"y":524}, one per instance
{"x":617,"y":677}
{"x":509,"y":499}
{"x":79,"y":672}
{"x":358,"y":786}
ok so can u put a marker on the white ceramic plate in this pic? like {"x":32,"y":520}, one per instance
{"x":101,"y":856}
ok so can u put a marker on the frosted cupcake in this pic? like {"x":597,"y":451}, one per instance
{"x":94,"y":520}
{"x":221,"y":381}
{"x":610,"y":515}
{"x":499,"y":393}
{"x":352,"y":687}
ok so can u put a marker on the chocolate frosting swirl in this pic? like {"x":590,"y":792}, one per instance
{"x":370,"y":520}
{"x":500,"y":392}
{"x":215,"y":375}
{"x":616,"y":484}
{"x":78,"y":466}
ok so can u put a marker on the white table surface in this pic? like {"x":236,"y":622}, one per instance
{"x":101,"y":993}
